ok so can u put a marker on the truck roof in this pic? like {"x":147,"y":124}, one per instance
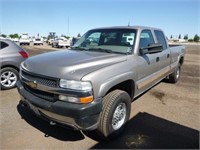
{"x":128,"y":27}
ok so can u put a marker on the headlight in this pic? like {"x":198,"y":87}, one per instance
{"x":75,"y":85}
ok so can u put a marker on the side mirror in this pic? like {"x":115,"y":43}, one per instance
{"x":151,"y":49}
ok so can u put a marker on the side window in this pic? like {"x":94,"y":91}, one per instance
{"x":161,"y":38}
{"x":3,"y":45}
{"x":146,"y":38}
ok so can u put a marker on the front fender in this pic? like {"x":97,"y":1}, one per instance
{"x":108,"y":84}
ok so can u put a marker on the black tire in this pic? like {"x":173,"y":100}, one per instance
{"x":111,"y":102}
{"x":14,"y":77}
{"x":175,"y":76}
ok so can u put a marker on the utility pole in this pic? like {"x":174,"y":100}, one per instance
{"x":68,"y":25}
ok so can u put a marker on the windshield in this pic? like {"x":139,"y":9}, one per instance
{"x":107,"y":40}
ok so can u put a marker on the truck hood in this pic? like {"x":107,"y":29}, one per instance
{"x":70,"y":64}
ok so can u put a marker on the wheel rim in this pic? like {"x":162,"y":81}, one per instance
{"x":8,"y":79}
{"x":119,"y":116}
{"x":177,"y":73}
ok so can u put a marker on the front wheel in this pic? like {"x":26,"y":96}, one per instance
{"x":115,"y":113}
{"x":9,"y":77}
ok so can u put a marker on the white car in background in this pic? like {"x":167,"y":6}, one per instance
{"x":15,"y":39}
{"x":24,"y":40}
{"x":61,"y":42}
{"x":37,"y":41}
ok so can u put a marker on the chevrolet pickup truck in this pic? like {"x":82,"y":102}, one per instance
{"x":91,"y":86}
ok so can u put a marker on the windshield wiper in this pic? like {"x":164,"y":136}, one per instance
{"x":78,"y":48}
{"x":100,"y":50}
{"x":96,"y":49}
{"x":105,"y":50}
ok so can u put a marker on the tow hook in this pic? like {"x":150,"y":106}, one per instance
{"x":52,"y":123}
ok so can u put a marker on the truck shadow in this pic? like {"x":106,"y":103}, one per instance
{"x":146,"y":131}
{"x":141,"y":132}
{"x":57,"y":132}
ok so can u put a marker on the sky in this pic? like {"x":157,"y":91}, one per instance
{"x":70,"y":17}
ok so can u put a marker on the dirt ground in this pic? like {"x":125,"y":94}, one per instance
{"x":167,"y":116}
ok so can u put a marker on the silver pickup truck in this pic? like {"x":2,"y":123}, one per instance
{"x":91,"y":86}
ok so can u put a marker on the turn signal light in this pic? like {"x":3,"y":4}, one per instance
{"x":86,"y":99}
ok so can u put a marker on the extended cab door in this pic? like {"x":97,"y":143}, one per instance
{"x":147,"y":64}
{"x":165,"y":55}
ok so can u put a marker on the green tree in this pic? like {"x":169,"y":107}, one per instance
{"x":3,"y":35}
{"x":196,"y":38}
{"x":190,"y":40}
{"x":179,"y":37}
{"x":11,"y":35}
{"x":171,"y":37}
{"x":79,"y":35}
{"x":186,"y":37}
{"x":14,"y":35}
{"x":67,"y":37}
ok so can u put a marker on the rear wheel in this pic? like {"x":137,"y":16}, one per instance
{"x":9,"y":77}
{"x":175,"y":76}
{"x":115,"y":113}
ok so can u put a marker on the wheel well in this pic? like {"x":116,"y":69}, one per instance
{"x":11,"y":66}
{"x":127,"y":86}
{"x":181,"y":60}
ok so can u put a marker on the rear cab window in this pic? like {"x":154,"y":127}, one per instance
{"x":161,"y":38}
{"x":3,"y":45}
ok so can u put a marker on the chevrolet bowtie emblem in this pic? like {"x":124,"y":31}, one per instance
{"x":32,"y":84}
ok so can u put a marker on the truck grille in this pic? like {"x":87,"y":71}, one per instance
{"x":41,"y":94}
{"x":39,"y":79}
{"x":47,"y":81}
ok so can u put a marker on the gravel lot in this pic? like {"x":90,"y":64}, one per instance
{"x":167,"y":116}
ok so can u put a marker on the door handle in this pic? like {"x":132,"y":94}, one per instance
{"x":167,"y":55}
{"x":157,"y":59}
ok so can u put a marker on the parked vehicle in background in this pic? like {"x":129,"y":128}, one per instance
{"x":61,"y":42}
{"x":24,"y":40}
{"x":74,"y":40}
{"x":51,"y":37}
{"x":11,"y":56}
{"x":50,"y":41}
{"x":15,"y":39}
{"x":45,"y":40}
{"x":37,"y":41}
{"x":91,"y":86}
